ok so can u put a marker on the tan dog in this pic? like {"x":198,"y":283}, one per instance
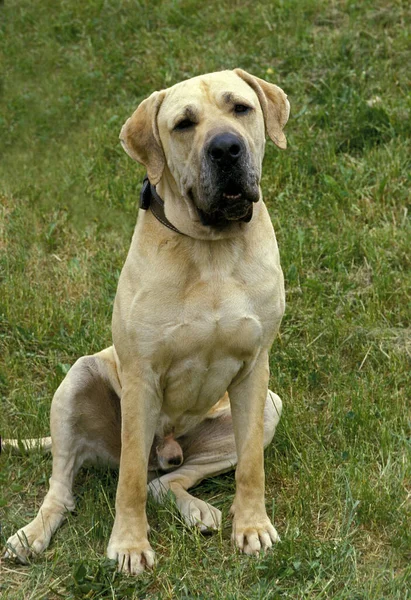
{"x":185,"y":384}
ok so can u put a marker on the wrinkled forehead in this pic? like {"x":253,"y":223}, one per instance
{"x":224,"y":87}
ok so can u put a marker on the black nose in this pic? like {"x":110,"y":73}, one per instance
{"x":225,"y":149}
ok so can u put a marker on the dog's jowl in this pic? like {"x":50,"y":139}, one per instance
{"x":182,"y":394}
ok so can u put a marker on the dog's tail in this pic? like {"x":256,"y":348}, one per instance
{"x":22,"y":446}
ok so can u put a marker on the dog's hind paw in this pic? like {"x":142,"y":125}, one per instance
{"x":198,"y":513}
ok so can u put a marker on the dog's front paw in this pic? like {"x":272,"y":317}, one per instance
{"x":132,"y":557}
{"x":253,"y":535}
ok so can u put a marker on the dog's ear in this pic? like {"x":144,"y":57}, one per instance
{"x":274,"y":104}
{"x":140,"y":138}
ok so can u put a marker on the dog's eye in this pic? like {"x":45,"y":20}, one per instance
{"x":241,"y":108}
{"x":184,"y":124}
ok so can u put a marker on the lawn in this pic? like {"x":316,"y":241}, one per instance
{"x":338,"y":473}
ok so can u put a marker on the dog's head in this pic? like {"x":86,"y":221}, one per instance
{"x":208,"y":134}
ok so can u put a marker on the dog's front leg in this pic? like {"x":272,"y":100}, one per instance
{"x":128,"y":545}
{"x":252,"y":529}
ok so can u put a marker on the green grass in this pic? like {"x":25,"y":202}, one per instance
{"x":338,"y":471}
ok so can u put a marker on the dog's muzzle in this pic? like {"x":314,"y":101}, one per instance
{"x":228,"y":187}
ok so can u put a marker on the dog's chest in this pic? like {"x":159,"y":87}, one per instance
{"x":197,"y":324}
{"x":204,"y":344}
{"x":215,"y":321}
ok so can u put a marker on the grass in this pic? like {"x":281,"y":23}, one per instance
{"x":338,"y":471}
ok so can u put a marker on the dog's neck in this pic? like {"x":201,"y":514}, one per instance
{"x":150,"y":200}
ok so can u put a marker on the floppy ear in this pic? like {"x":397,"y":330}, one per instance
{"x":140,"y":138}
{"x":274,"y":104}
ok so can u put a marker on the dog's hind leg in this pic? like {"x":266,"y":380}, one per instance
{"x":85,"y":424}
{"x":209,"y":449}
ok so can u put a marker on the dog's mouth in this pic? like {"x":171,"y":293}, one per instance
{"x":222,"y":219}
{"x":231,"y":205}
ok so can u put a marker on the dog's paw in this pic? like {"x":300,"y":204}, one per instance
{"x":25,"y":544}
{"x":132,"y":559}
{"x":253,"y":537}
{"x":197,"y":513}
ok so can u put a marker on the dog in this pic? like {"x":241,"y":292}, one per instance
{"x":182,"y":394}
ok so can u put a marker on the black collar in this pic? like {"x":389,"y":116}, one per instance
{"x":150,"y":199}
